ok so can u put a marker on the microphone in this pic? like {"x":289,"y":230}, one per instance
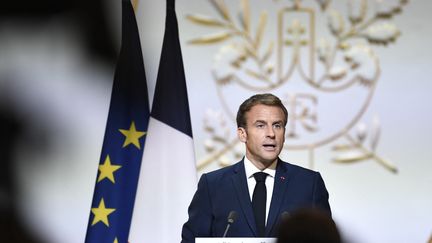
{"x":232,"y":216}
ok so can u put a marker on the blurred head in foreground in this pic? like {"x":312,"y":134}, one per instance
{"x":308,"y":226}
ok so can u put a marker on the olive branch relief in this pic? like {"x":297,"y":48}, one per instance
{"x":346,"y":59}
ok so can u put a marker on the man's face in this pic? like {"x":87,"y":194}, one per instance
{"x":264,"y":134}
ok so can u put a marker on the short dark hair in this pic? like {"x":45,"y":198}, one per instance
{"x":259,"y":99}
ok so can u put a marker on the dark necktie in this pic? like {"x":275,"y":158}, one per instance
{"x":259,"y":198}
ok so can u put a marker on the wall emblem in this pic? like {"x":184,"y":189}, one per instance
{"x":318,"y":56}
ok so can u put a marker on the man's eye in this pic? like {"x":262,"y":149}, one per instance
{"x":260,"y":125}
{"x":278,"y":126}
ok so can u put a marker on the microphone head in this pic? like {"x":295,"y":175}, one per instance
{"x":232,"y":216}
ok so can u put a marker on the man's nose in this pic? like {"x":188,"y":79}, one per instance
{"x":270,"y":132}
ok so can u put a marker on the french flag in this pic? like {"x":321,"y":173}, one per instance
{"x":167,"y":178}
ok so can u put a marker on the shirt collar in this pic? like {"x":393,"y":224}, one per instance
{"x":251,"y":169}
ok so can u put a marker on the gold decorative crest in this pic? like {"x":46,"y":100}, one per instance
{"x":317,"y":57}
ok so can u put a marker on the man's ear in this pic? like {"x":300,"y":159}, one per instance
{"x":241,"y":134}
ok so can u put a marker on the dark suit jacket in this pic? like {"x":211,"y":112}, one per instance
{"x":224,"y":190}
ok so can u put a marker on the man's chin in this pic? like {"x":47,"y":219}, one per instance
{"x":268,"y":161}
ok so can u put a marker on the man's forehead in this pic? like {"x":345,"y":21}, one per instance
{"x":265,"y":113}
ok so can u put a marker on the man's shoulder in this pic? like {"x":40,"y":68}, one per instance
{"x":225,"y":171}
{"x":296,"y":169}
{"x":282,"y":167}
{"x":228,"y":169}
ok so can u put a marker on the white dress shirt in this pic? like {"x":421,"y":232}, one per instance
{"x":251,"y":169}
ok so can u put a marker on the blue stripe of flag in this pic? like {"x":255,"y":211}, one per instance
{"x":170,"y":103}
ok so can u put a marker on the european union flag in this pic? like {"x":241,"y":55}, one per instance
{"x":123,"y":145}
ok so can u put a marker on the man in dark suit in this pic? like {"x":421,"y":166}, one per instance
{"x":261,"y":188}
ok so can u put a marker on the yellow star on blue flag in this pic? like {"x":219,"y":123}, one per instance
{"x":101,"y":213}
{"x":107,"y":170}
{"x":132,"y":136}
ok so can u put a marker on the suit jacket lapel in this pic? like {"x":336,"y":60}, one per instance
{"x":241,"y":187}
{"x":279,"y":190}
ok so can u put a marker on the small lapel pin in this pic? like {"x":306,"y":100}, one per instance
{"x":282,"y":178}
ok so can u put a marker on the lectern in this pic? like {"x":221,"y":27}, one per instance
{"x":234,"y":240}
